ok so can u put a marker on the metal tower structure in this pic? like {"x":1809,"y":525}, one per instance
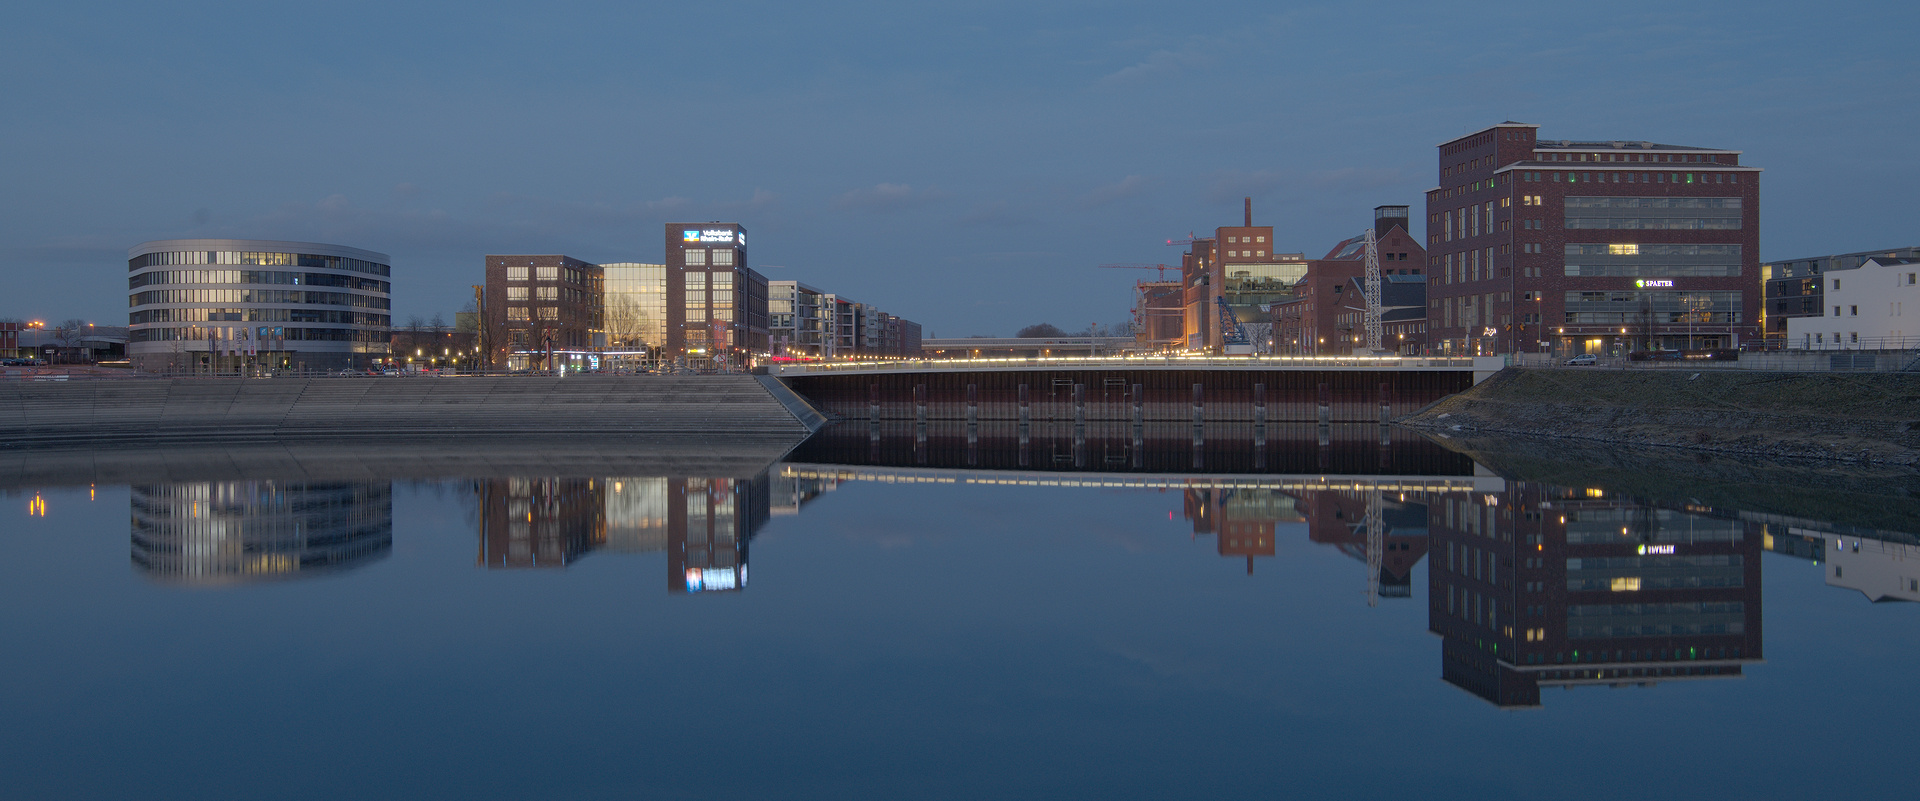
{"x":1376,"y":532}
{"x":1373,"y":293}
{"x":1233,"y":336}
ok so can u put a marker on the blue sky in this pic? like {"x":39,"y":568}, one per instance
{"x":962,"y":164}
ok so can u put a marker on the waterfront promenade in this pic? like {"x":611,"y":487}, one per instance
{"x":745,"y":409}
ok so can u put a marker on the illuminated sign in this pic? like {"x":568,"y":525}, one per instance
{"x":710,"y":235}
{"x":715,"y":578}
{"x":1654,"y":282}
{"x":1656,"y":549}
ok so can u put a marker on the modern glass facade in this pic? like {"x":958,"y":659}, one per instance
{"x":194,"y":307}
{"x":635,"y":310}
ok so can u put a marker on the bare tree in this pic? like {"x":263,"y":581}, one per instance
{"x":438,"y":324}
{"x":70,"y":332}
{"x":1041,"y":330}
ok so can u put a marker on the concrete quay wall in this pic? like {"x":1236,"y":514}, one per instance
{"x":170,"y":412}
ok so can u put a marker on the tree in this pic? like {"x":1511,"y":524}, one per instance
{"x":1041,"y":330}
{"x":438,"y":324}
{"x":70,"y":332}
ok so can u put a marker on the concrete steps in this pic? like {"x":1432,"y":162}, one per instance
{"x":388,"y":408}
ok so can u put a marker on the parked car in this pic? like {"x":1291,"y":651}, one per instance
{"x":1583,"y":360}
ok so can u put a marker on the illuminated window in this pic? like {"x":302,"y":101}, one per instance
{"x":516,"y":273}
{"x":723,"y":258}
{"x":696,"y":258}
{"x":549,"y":312}
{"x":548,"y":273}
{"x":516,"y":293}
{"x":1623,"y":250}
{"x":548,"y":292}
{"x":516,"y":312}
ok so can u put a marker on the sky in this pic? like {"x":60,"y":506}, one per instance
{"x":965,"y":165}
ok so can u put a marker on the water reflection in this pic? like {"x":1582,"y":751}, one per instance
{"x":219,"y":532}
{"x":1530,"y":585}
{"x":1548,"y":586}
{"x":703,"y":524}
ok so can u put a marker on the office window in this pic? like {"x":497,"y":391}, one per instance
{"x":549,"y":312}
{"x":516,"y":312}
{"x":1259,"y":239}
{"x":696,"y":258}
{"x":516,"y":273}
{"x":547,"y":273}
{"x":549,"y":293}
{"x":723,"y":257}
{"x":516,"y":293}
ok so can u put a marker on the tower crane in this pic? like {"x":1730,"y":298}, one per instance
{"x":1163,"y":268}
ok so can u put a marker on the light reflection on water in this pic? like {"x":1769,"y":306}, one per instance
{"x":988,"y":610}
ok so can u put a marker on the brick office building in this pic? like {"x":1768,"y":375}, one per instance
{"x":541,"y":310}
{"x":716,"y":304}
{"x":1590,"y":246}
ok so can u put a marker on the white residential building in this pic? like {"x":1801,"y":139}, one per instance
{"x":1865,"y":309}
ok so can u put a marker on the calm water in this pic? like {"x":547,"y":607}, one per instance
{"x":880,"y":616}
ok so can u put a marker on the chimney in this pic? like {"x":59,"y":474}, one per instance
{"x":1249,"y":212}
{"x":1386,"y":217}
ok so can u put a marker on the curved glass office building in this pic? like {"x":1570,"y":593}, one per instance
{"x":227,"y":305}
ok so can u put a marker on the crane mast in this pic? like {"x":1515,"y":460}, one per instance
{"x":1373,"y":293}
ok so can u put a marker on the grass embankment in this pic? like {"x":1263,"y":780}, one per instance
{"x":1871,"y":417}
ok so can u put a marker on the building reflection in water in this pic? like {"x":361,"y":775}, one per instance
{"x":1882,"y":565}
{"x":1540,"y":586}
{"x":239,"y":531}
{"x":1244,"y":522}
{"x":703,"y":524}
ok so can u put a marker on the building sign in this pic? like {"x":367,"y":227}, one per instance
{"x":1654,"y":283}
{"x":712,"y":235}
{"x":1656,"y":549}
{"x":715,"y":578}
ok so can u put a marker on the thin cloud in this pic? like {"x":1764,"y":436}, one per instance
{"x":888,"y":197}
{"x":1119,"y":190}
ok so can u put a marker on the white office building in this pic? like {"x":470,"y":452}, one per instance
{"x":1865,"y":308}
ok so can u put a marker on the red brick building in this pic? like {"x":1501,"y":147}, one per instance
{"x":1325,"y":314}
{"x":1590,"y":246}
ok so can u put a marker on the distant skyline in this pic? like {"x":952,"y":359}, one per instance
{"x":964,"y":165}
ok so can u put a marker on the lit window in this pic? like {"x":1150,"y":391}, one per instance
{"x":723,"y":257}
{"x":516,"y":273}
{"x":1259,"y":239}
{"x":1623,"y":250}
{"x":516,"y":312}
{"x":549,"y":312}
{"x":516,"y":293}
{"x":548,"y":273}
{"x":696,"y":258}
{"x":549,"y":293}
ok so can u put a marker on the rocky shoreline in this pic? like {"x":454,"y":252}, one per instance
{"x":1862,"y":418}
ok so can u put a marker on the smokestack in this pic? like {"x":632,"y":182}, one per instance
{"x":1249,"y":212}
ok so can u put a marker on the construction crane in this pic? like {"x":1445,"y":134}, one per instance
{"x":1373,"y":293}
{"x":1183,"y":242}
{"x":1233,"y":335}
{"x":1163,"y":268}
{"x":1376,"y":534}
